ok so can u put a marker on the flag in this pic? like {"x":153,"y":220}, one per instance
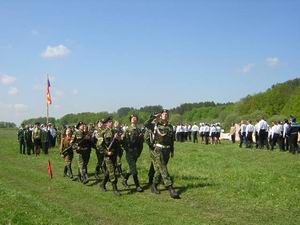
{"x":49,"y":99}
{"x":50,"y":169}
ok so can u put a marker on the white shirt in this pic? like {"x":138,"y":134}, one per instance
{"x":213,"y":130}
{"x":243,"y":128}
{"x":262,"y":125}
{"x":285,"y":129}
{"x":275,"y":130}
{"x":195,"y":128}
{"x":218,"y":128}
{"x":249,"y":128}
{"x":206,"y":128}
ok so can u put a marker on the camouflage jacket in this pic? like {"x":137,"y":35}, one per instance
{"x":133,"y":139}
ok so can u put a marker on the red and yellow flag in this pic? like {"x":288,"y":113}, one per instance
{"x":49,"y":99}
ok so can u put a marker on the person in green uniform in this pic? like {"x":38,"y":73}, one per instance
{"x":21,"y":139}
{"x":67,"y":152}
{"x":81,"y":143}
{"x":133,"y":144}
{"x":45,"y":138}
{"x":110,"y":146}
{"x":99,"y":150}
{"x":28,"y":139}
{"x":163,"y":143}
{"x":36,"y":138}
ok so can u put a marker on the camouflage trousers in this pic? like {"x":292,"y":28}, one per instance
{"x":131,"y":158}
{"x":160,"y":158}
{"x":110,"y":167}
{"x":68,"y":159}
{"x":83,"y":161}
{"x":100,"y":160}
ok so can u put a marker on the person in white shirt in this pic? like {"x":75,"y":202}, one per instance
{"x":189,"y":132}
{"x":206,"y":130}
{"x":213,"y":132}
{"x":263,"y":133}
{"x":256,"y":131}
{"x":242,"y":133}
{"x":218,"y":133}
{"x":195,"y":130}
{"x":249,"y":133}
{"x":285,"y":136}
{"x":201,"y":132}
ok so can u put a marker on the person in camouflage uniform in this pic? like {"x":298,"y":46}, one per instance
{"x":133,"y":143}
{"x":36,"y":138}
{"x":110,"y":146}
{"x":81,"y":142}
{"x":67,"y":152}
{"x":163,"y":142}
{"x":99,"y":150}
{"x":21,"y":139}
{"x":118,"y":129}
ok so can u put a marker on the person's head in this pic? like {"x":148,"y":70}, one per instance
{"x":68,"y":132}
{"x":133,"y":119}
{"x":164,"y":115}
{"x":99,"y":124}
{"x":80,"y":126}
{"x":108,"y":122}
{"x":117,"y":124}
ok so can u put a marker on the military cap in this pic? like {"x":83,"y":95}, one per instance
{"x":37,"y":123}
{"x":133,"y":115}
{"x":164,"y":111}
{"x":107,"y":119}
{"x":79,"y":124}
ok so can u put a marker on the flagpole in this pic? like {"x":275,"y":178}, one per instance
{"x":47,"y":115}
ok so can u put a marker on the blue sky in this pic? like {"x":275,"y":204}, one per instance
{"x":103,"y":55}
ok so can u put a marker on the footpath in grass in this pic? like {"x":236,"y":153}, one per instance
{"x":220,"y":184}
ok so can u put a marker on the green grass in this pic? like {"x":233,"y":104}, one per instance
{"x":218,"y":184}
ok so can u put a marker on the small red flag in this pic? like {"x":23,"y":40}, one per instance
{"x":50,"y":169}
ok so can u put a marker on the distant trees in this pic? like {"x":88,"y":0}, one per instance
{"x":277,"y":103}
{"x":7,"y":124}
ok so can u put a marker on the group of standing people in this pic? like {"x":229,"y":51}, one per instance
{"x":284,"y":134}
{"x":34,"y":138}
{"x":208,"y":133}
{"x":110,"y":141}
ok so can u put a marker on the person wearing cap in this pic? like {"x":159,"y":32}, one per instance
{"x":81,"y":141}
{"x":68,"y":156}
{"x":110,"y":146}
{"x":28,"y":139}
{"x":133,"y":144}
{"x":163,"y":148}
{"x":45,"y":138}
{"x":36,"y":138}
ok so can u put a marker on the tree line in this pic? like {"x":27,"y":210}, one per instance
{"x":277,"y":103}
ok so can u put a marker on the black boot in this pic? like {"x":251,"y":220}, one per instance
{"x":70,"y":172}
{"x":137,"y":184}
{"x":154,"y":189}
{"x":97,"y":171}
{"x":103,"y":183}
{"x":125,"y":180}
{"x":66,"y":171}
{"x":173,"y":193}
{"x":79,"y":176}
{"x":115,"y":189}
{"x":85,"y":178}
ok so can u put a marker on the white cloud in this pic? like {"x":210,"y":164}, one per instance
{"x":75,"y":92}
{"x":58,"y":51}
{"x":7,"y":79}
{"x":272,"y":61}
{"x":247,"y":68}
{"x":13,"y":91}
{"x":59,"y":93}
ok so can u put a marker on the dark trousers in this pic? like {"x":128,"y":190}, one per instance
{"x":242,"y":138}
{"x":249,"y":140}
{"x":233,"y":138}
{"x":263,"y":139}
{"x":286,"y":143}
{"x":206,"y":135}
{"x":194,"y":137}
{"x":45,"y":147}
{"x":22,"y":147}
{"x":274,"y":140}
{"x":256,"y":140}
{"x":293,"y":143}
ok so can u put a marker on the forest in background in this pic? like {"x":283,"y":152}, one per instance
{"x":277,"y":103}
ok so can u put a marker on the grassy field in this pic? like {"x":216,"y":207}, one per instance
{"x":218,"y":184}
